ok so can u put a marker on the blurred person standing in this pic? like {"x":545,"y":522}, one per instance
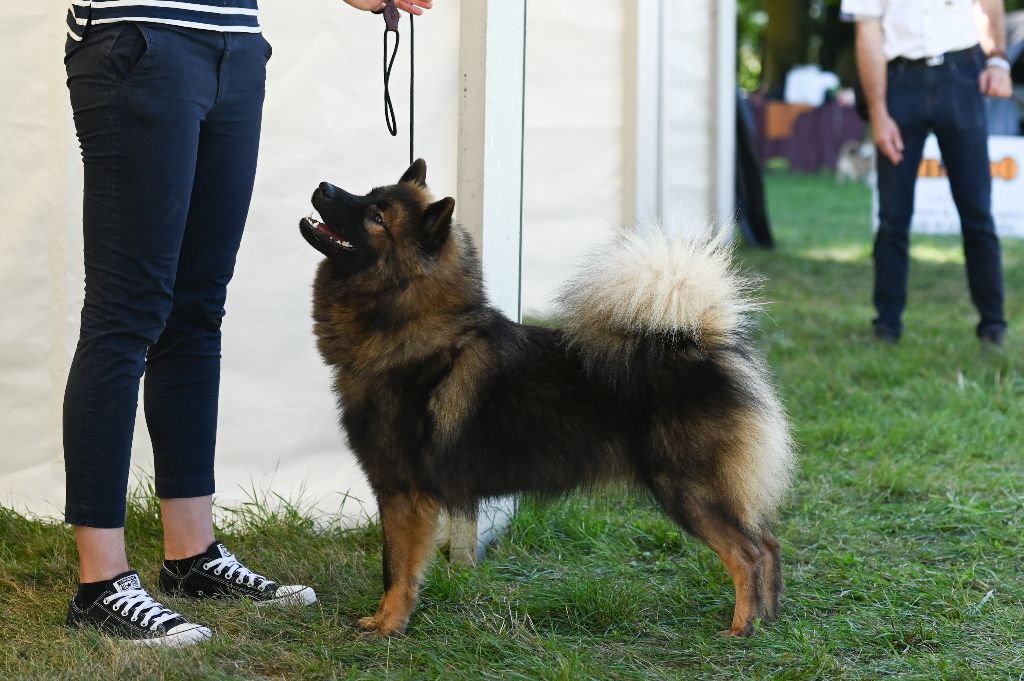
{"x":924,"y":70}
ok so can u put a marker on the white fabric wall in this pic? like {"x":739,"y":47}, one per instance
{"x":278,"y":426}
{"x":690,"y":181}
{"x":574,"y":138}
{"x":323,"y":120}
{"x":39,"y":251}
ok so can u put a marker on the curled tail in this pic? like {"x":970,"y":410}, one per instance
{"x":655,"y":285}
{"x":651,"y":312}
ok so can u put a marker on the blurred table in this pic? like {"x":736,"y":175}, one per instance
{"x":809,"y":138}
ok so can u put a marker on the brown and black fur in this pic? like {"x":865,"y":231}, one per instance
{"x":446,"y":402}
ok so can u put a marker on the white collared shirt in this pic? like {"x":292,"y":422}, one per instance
{"x":916,"y":29}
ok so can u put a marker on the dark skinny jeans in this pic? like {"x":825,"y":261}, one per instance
{"x":169,"y":124}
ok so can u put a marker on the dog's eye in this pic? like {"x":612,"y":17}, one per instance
{"x":378,"y":218}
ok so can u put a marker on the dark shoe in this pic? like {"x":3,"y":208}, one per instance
{"x":993,"y":340}
{"x":887,"y":336}
{"x":127,"y":612}
{"x":218,"y":574}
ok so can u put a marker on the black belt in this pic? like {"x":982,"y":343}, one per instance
{"x":955,"y":57}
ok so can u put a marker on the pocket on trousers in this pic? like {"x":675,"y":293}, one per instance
{"x":69,"y":46}
{"x":128,"y":52}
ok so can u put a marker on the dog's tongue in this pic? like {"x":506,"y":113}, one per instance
{"x":334,"y":236}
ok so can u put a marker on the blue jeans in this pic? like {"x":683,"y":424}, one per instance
{"x":945,"y":100}
{"x":168,"y":120}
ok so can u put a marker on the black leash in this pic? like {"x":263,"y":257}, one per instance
{"x":391,"y":20}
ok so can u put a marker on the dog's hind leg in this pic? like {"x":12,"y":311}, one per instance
{"x":745,"y":559}
{"x":773,"y":587}
{"x":744,"y":555}
{"x":408,"y":520}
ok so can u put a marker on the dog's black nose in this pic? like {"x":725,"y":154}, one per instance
{"x":327,"y":189}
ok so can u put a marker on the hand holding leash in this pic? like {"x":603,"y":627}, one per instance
{"x":377,"y":6}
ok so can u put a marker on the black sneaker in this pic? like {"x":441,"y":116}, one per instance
{"x":886,"y":336}
{"x":993,"y":339}
{"x":218,"y":574}
{"x":127,"y":612}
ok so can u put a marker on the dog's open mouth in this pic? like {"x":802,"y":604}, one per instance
{"x":315,"y":223}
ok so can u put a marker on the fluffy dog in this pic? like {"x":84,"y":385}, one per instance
{"x":856,"y":163}
{"x":651,"y":378}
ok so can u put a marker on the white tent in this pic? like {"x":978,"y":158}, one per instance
{"x":628,"y":111}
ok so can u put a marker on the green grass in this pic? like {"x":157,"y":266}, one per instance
{"x":902,"y":540}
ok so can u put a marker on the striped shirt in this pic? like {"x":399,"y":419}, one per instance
{"x":236,"y":16}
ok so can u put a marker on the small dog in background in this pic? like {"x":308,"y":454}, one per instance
{"x":856,"y":162}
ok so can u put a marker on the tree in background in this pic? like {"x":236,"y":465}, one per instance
{"x":786,"y":41}
{"x":751,"y":19}
{"x":776,"y":35}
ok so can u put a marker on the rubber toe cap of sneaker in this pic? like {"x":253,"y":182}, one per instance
{"x":183,"y":635}
{"x":295,"y":594}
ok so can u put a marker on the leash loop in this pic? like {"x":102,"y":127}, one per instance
{"x":389,"y":107}
{"x":392,"y":17}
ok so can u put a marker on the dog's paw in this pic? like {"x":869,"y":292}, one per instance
{"x":736,"y":632}
{"x":367,"y":624}
{"x":381,"y":626}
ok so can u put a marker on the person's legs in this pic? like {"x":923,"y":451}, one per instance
{"x":188,"y":526}
{"x":183,"y":367}
{"x":907,"y":96}
{"x":101,"y":553}
{"x":139,"y":151}
{"x":139,"y":130}
{"x":962,"y":132}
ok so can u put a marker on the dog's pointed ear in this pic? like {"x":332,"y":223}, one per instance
{"x":416,"y":174}
{"x":437,"y":224}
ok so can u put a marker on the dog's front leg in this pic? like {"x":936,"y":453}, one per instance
{"x":408,"y":520}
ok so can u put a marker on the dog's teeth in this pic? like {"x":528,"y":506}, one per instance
{"x":346,"y":244}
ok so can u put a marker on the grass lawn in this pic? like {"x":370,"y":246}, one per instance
{"x":902,"y":539}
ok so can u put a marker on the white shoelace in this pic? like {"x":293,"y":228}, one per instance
{"x":245,"y":575}
{"x":153,"y":613}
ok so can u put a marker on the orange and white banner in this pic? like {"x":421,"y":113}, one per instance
{"x":934,"y":210}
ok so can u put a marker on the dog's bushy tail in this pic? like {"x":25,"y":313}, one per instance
{"x":662,"y":314}
{"x":653,"y":284}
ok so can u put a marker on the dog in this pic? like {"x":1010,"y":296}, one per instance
{"x":856,"y":163}
{"x":651,"y":378}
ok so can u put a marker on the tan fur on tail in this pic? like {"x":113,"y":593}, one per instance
{"x":656,"y":283}
{"x":652,"y":281}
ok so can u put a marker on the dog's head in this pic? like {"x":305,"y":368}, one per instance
{"x":393,"y":233}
